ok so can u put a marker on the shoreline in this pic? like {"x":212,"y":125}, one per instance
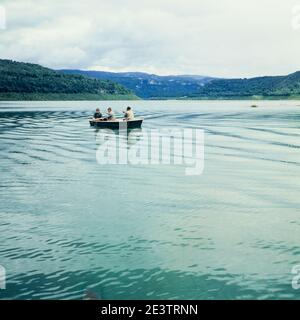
{"x":139,"y":99}
{"x":11,"y":96}
{"x":6,"y":97}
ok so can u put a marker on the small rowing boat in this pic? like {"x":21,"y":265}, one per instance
{"x":117,"y":124}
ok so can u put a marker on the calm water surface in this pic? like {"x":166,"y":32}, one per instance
{"x":150,"y":232}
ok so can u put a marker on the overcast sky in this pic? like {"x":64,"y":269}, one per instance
{"x":225,"y":38}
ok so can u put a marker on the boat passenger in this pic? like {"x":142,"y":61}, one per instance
{"x":110,"y":114}
{"x":129,"y":115}
{"x":97,"y":114}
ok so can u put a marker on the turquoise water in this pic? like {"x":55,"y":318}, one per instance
{"x":68,"y":224}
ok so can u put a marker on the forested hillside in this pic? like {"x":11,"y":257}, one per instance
{"x":150,"y":86}
{"x":31,"y":81}
{"x":280,"y":87}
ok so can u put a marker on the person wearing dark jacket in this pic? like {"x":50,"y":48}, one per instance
{"x":97,"y":114}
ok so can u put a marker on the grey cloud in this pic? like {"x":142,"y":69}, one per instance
{"x":220,"y":38}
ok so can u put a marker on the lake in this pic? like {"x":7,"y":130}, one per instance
{"x":68,"y":223}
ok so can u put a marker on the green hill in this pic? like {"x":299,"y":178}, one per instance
{"x":25,"y":81}
{"x":150,"y":86}
{"x":276,"y":87}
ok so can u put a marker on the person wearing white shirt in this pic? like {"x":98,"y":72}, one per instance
{"x":110,"y":114}
{"x":129,"y":115}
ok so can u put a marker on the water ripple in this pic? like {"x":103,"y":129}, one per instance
{"x":69,"y":225}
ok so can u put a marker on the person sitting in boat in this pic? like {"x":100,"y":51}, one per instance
{"x":129,"y":115}
{"x":110,"y":115}
{"x":97,"y":114}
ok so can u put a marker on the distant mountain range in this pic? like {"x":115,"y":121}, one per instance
{"x":150,"y":86}
{"x":26,"y":81}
